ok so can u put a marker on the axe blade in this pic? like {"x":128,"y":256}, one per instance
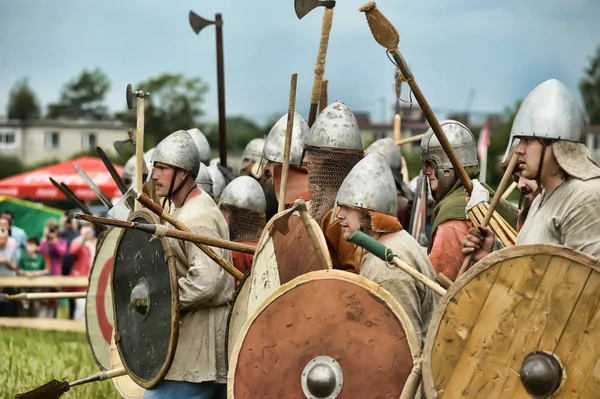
{"x":121,"y":209}
{"x":303,"y":7}
{"x":198,"y":23}
{"x":129,"y":96}
{"x":121,"y":146}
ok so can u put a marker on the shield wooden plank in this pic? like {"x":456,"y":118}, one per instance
{"x":238,"y":313}
{"x":283,"y":253}
{"x":146,"y":303}
{"x":99,"y":316}
{"x":325,"y":334}
{"x":512,"y":303}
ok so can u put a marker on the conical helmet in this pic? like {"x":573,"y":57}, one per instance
{"x":218,"y":181}
{"x":179,"y":150}
{"x":129,"y":169}
{"x":203,"y":180}
{"x":390,"y":151}
{"x":202,"y":144}
{"x":461,"y":139}
{"x":275,"y":141}
{"x":254,"y":150}
{"x":550,"y":111}
{"x":370,"y":186}
{"x":148,"y":158}
{"x":246,"y":193}
{"x":335,"y":128}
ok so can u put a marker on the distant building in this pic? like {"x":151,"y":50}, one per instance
{"x":34,"y":141}
{"x":412,"y":123}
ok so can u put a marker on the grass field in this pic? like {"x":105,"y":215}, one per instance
{"x":31,"y":358}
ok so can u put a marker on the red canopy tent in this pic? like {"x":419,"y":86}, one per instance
{"x":35,"y":184}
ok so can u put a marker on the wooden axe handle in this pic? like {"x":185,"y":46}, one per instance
{"x":320,"y":65}
{"x":139,"y":148}
{"x":490,"y":212}
{"x":288,"y":142}
{"x":158,"y":210}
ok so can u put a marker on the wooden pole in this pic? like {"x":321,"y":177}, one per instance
{"x":221,"y":91}
{"x":320,"y":64}
{"x":324,"y":100}
{"x":288,"y":142}
{"x":139,"y":147}
{"x":507,"y":176}
{"x":409,"y":140}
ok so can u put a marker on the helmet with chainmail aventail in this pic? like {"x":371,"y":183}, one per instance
{"x":244,"y":201}
{"x":332,"y":149}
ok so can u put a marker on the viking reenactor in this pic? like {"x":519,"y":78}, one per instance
{"x":450,"y":222}
{"x":218,"y":181}
{"x":243,"y":205}
{"x":251,"y":158}
{"x":202,"y":145}
{"x":199,"y":366}
{"x":297,"y":181}
{"x":551,"y":133}
{"x":203,"y":180}
{"x":528,"y":188}
{"x":391,"y":152}
{"x":129,"y":171}
{"x":367,"y":201}
{"x":252,"y":166}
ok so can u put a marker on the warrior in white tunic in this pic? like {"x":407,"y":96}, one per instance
{"x":199,"y":367}
{"x":550,"y":127}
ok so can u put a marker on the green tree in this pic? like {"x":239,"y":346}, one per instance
{"x":589,"y":86}
{"x":82,"y":96}
{"x":175,"y":102}
{"x":22,"y":102}
{"x":240,"y":130}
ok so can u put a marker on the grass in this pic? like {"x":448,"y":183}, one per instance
{"x":31,"y":358}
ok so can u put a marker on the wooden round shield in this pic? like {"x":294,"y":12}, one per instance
{"x":283,"y":253}
{"x":238,"y":313}
{"x":124,"y":384}
{"x":145,"y":294}
{"x":99,"y":317}
{"x":512,"y":303}
{"x":324,"y":333}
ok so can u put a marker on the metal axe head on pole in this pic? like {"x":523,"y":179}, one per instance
{"x":130,"y":94}
{"x":303,"y":7}
{"x":198,"y":23}
{"x":122,"y":208}
{"x":121,"y":146}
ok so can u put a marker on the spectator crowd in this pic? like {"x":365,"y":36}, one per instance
{"x":66,"y":248}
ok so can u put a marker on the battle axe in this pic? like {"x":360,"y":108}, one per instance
{"x":303,"y":7}
{"x":198,"y":23}
{"x":121,"y":146}
{"x":140,"y":95}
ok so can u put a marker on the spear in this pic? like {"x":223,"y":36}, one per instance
{"x":29,"y":296}
{"x":173,"y":233}
{"x":56,"y":389}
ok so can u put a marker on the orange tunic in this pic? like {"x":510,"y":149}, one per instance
{"x":446,"y":251}
{"x":243,"y":261}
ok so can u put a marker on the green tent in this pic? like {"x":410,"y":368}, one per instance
{"x":29,"y":216}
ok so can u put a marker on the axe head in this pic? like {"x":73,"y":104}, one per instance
{"x":198,"y":23}
{"x":122,"y":208}
{"x":303,"y":7}
{"x":129,"y":96}
{"x":121,"y":146}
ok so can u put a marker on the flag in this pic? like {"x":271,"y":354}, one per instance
{"x":484,"y":142}
{"x":482,"y":147}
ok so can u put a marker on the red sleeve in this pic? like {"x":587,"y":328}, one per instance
{"x":446,"y":252}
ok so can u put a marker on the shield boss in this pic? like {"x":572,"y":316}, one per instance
{"x":524,"y":319}
{"x":145,"y":304}
{"x":330,"y":334}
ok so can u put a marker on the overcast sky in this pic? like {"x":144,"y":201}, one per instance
{"x":499,"y":49}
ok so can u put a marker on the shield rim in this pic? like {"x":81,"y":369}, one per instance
{"x":87,"y":293}
{"x":171,"y":263}
{"x":489,"y":261}
{"x":236,"y":294}
{"x":375,"y":290}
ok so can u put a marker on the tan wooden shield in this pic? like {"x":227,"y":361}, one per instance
{"x":283,"y":253}
{"x":238,"y":313}
{"x":331,"y":323}
{"x":514,"y":302}
{"x":127,"y":388}
{"x":99,"y":316}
